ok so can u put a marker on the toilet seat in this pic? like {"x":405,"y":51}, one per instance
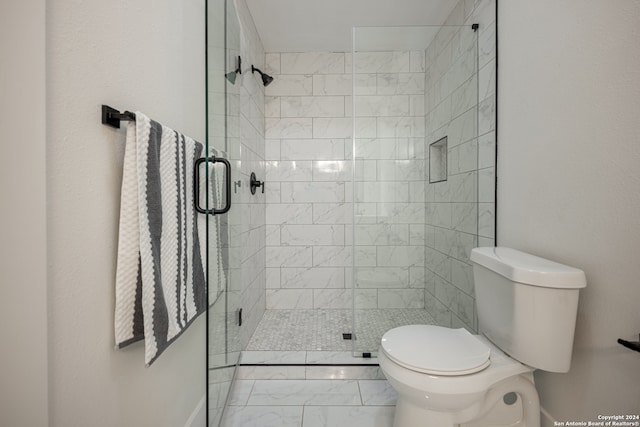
{"x":436,"y":350}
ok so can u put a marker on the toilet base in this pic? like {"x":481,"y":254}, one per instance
{"x":409,"y":415}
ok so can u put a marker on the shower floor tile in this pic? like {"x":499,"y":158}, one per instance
{"x":321,"y":330}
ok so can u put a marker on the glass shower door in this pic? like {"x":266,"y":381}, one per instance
{"x":415,"y":157}
{"x":223,"y":258}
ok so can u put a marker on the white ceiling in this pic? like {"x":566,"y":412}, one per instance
{"x":326,"y":25}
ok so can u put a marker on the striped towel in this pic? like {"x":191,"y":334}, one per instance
{"x":160,"y":282}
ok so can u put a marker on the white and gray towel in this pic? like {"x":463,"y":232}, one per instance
{"x":160,"y":280}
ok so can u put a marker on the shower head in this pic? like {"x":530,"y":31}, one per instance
{"x":232,"y":75}
{"x":266,"y":78}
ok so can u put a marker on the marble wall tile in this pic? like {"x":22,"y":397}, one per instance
{"x":272,"y":63}
{"x":383,"y":192}
{"x":332,"y":298}
{"x":486,"y":185}
{"x":332,"y":84}
{"x":465,"y":308}
{"x":273,"y":278}
{"x":417,"y":61}
{"x":462,"y":276}
{"x":382,"y":62}
{"x":288,"y":170}
{"x":332,"y":170}
{"x":293,"y":85}
{"x":332,"y":127}
{"x":486,"y":219}
{"x":487,"y":115}
{"x":418,"y":277}
{"x":464,"y":97}
{"x":272,"y":237}
{"x":464,"y":217}
{"x":416,"y":105}
{"x":382,"y":148}
{"x":401,"y":83}
{"x":394,"y":127}
{"x":332,"y":256}
{"x":400,"y":256}
{"x":382,"y":234}
{"x":463,"y":158}
{"x":312,"y":106}
{"x":307,"y":192}
{"x":289,"y":213}
{"x":487,"y":80}
{"x":365,"y":256}
{"x":445,"y":292}
{"x":401,"y":170}
{"x":272,"y":149}
{"x":288,"y":256}
{"x":311,"y":235}
{"x":462,"y":245}
{"x":289,"y":299}
{"x":272,"y":106}
{"x":439,"y":263}
{"x":288,"y":128}
{"x":366,"y":298}
{"x":382,"y":277}
{"x":332,"y":213}
{"x":312,"y":63}
{"x":312,"y":278}
{"x":312,"y":149}
{"x":379,"y":105}
{"x":417,"y":234}
{"x":487,"y":150}
{"x":400,"y":298}
{"x":441,"y":314}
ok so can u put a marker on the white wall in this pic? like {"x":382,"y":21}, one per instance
{"x":569,"y":180}
{"x":23,"y":257}
{"x":147,"y":56}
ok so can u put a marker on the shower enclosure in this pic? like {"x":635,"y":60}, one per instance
{"x":420,"y":158}
{"x":379,"y":171}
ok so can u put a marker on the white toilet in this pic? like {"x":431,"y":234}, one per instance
{"x":527,"y":313}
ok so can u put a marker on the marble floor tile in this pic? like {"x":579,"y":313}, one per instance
{"x":301,"y":392}
{"x":343,"y":373}
{"x":262,"y":416}
{"x":239,"y":394}
{"x":377,"y":393}
{"x":348,"y":416}
{"x":280,"y":372}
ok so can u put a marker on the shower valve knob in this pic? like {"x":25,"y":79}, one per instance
{"x":254,"y":183}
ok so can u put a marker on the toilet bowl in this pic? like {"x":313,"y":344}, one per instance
{"x":527,"y":310}
{"x":451,"y":386}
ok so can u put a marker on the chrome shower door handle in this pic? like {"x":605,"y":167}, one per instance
{"x":196,"y":185}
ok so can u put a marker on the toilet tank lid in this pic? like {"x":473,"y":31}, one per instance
{"x":528,"y":269}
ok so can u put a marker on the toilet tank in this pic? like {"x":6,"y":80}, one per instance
{"x":527,"y":305}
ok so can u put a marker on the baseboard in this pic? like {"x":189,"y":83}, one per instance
{"x":198,"y":417}
{"x":546,"y":420}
